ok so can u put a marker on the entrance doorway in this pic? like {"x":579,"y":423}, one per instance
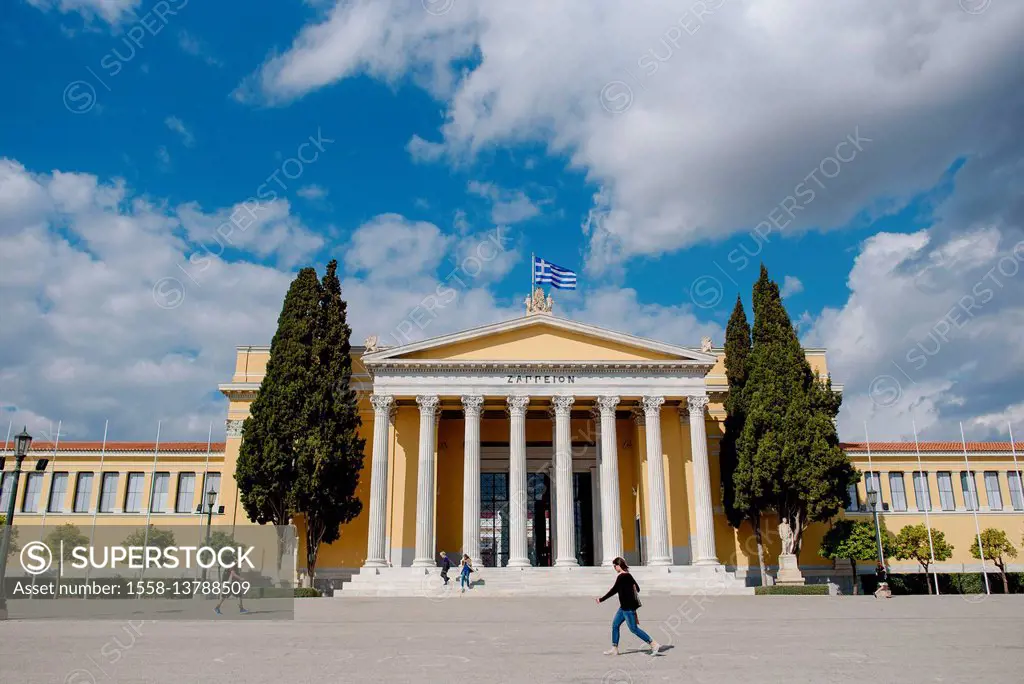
{"x":494,"y":519}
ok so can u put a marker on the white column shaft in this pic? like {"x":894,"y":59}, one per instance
{"x":611,"y":510}
{"x":657,"y":511}
{"x":563,"y":471}
{"x":377,"y":532}
{"x":471,"y":479}
{"x":425,"y":484}
{"x":517,"y":553}
{"x":705,"y":553}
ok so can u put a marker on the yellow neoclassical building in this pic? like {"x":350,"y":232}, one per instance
{"x":543,"y":447}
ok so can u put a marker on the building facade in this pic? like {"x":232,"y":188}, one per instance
{"x":532,"y":443}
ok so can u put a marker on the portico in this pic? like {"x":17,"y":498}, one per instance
{"x":566,"y":418}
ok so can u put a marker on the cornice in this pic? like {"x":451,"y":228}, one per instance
{"x":392,"y":366}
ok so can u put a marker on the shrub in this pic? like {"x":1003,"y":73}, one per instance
{"x":307,"y":592}
{"x":783,"y":590}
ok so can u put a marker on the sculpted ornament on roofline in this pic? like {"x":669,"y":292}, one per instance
{"x":234,"y":427}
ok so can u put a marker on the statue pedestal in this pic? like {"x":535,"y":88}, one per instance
{"x":789,"y":571}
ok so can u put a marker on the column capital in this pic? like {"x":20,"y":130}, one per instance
{"x":517,"y":403}
{"x":471,"y":404}
{"x":638,"y":416}
{"x":562,"y":404}
{"x":428,"y":403}
{"x":652,"y":405}
{"x":381,"y":402}
{"x":606,"y":405}
{"x":697,"y":405}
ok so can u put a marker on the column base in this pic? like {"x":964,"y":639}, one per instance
{"x":707,"y":562}
{"x":375,"y":563}
{"x":424,"y":563}
{"x":518,"y":563}
{"x":567,"y":563}
{"x":659,"y":562}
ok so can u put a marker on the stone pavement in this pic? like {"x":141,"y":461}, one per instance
{"x":714,"y":639}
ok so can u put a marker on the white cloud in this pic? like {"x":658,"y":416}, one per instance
{"x":507,"y":206}
{"x":312,"y":192}
{"x":191,"y":45}
{"x":130,"y":309}
{"x":179,"y":127}
{"x":111,"y":11}
{"x":164,"y":157}
{"x":729,"y":111}
{"x":910,"y":345}
{"x":791,"y":285}
{"x":423,"y":150}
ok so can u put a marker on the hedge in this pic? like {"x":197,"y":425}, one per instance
{"x":307,"y":592}
{"x":797,"y":590}
{"x":951,"y":583}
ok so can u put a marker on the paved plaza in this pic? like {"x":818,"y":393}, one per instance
{"x":713,"y":639}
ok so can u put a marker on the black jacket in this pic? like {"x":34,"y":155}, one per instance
{"x":626,"y":587}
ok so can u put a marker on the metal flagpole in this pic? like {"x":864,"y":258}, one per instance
{"x":1020,"y":480}
{"x":206,"y":475}
{"x":42,"y":526}
{"x":149,"y":509}
{"x":96,"y":508}
{"x":7,"y":440}
{"x":973,"y":489}
{"x":927,"y":519}
{"x":533,"y":272}
{"x":878,"y":504}
{"x":53,"y":467}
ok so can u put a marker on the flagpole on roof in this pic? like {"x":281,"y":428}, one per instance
{"x":533,"y":272}
{"x":927,"y":518}
{"x":972,"y":490}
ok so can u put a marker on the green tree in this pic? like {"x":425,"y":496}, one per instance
{"x":13,"y":548}
{"x":273,"y":434}
{"x":854,"y":540}
{"x":71,"y":537}
{"x":740,"y":500}
{"x":998,"y":548}
{"x":156,"y":537}
{"x":332,"y":453}
{"x":789,"y":446}
{"x":912,"y":544}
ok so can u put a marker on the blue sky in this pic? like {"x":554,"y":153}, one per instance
{"x":647,"y":202}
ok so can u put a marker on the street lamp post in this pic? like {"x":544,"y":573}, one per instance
{"x":873,"y":502}
{"x":22,"y":442}
{"x":211,"y":498}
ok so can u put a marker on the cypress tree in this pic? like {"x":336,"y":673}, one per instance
{"x":332,"y":453}
{"x":789,"y":449}
{"x":272,"y":434}
{"x":739,"y":502}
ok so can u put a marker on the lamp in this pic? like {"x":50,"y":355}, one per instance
{"x":22,"y":442}
{"x":872,"y":498}
{"x":211,"y":498}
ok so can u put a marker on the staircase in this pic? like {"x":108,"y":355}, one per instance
{"x":676,"y":580}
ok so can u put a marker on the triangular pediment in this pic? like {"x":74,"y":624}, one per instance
{"x":539,"y":338}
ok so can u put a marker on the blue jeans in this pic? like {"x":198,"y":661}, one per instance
{"x":629,"y":617}
{"x":464,"y":579}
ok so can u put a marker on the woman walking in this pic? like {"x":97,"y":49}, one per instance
{"x":465,"y":568}
{"x":627,"y":589}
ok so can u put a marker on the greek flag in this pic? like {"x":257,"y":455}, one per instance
{"x":545,"y":272}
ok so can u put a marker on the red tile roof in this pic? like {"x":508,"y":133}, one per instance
{"x":931,"y":447}
{"x":165,"y":447}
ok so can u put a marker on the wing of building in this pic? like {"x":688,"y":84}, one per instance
{"x":543,"y":448}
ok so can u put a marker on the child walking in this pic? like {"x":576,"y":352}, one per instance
{"x":465,"y":568}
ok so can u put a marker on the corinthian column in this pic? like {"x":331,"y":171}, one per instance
{"x":517,"y":555}
{"x":375,"y":557}
{"x":471,"y":479}
{"x":657,"y":509}
{"x":705,"y":553}
{"x":425,"y":483}
{"x":563,"y":471}
{"x":611,"y":512}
